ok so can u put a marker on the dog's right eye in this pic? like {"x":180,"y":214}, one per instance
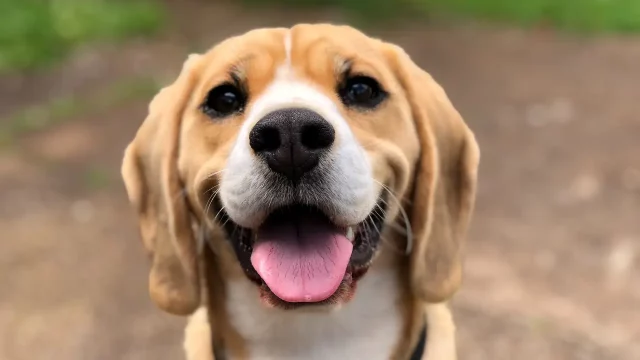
{"x":223,"y":100}
{"x":361,"y":91}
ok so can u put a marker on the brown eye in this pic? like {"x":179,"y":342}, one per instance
{"x":362,"y":91}
{"x":223,"y":100}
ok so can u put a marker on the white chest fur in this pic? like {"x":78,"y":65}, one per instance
{"x":368,"y":327}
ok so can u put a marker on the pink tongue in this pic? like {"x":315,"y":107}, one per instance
{"x":303,"y":261}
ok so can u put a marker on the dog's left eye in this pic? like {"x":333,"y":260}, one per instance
{"x":223,"y":100}
{"x":361,"y":91}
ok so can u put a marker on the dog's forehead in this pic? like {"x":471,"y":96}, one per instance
{"x":309,"y":49}
{"x":336,"y":39}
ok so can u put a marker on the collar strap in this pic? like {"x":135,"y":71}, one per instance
{"x":419,"y":350}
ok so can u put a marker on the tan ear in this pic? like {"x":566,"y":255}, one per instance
{"x":444,"y":186}
{"x":154,"y":187}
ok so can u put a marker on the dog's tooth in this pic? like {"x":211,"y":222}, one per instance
{"x":350,"y":235}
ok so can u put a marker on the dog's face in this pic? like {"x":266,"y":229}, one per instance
{"x":297,"y":148}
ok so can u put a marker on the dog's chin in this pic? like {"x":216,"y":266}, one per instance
{"x":302,"y":258}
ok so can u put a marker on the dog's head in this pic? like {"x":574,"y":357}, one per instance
{"x":300,"y":146}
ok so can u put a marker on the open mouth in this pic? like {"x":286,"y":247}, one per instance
{"x":299,"y":257}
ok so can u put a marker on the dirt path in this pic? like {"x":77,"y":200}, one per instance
{"x":552,"y":270}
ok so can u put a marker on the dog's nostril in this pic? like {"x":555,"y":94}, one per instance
{"x":317,"y":136}
{"x":292,"y":141}
{"x":266,"y":138}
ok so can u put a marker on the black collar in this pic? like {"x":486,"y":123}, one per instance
{"x":422,"y":344}
{"x":418,"y":352}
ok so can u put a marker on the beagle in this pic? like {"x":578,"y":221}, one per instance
{"x":304,"y":193}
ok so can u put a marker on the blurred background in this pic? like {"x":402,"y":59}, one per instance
{"x":550,"y":87}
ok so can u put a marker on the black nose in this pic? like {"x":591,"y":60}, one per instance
{"x":292,"y":140}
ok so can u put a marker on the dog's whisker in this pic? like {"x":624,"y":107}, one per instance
{"x":379,"y":212}
{"x":394,"y":224}
{"x":369,"y":224}
{"x":213,"y":174}
{"x":225,"y":222}
{"x":409,"y":233}
{"x":218,"y":214}
{"x":214,"y":187}
{"x":366,"y":225}
{"x":208,"y":205}
{"x":220,"y":211}
{"x":386,"y":188}
{"x":211,"y":198}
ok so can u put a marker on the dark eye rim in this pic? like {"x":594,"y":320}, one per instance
{"x":219,"y":90}
{"x":379,"y":93}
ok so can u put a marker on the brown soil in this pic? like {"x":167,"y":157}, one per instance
{"x":552,"y":266}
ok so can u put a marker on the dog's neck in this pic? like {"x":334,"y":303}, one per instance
{"x":370,"y":326}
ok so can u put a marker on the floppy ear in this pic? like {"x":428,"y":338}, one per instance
{"x":154,"y":187}
{"x":444,"y":186}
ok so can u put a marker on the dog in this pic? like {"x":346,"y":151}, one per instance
{"x":304,"y":193}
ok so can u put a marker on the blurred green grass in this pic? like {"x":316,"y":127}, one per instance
{"x":45,"y":115}
{"x":359,"y":11}
{"x":581,"y":16}
{"x":35,"y":33}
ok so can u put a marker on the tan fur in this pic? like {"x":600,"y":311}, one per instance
{"x":197,"y":337}
{"x":417,"y":143}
